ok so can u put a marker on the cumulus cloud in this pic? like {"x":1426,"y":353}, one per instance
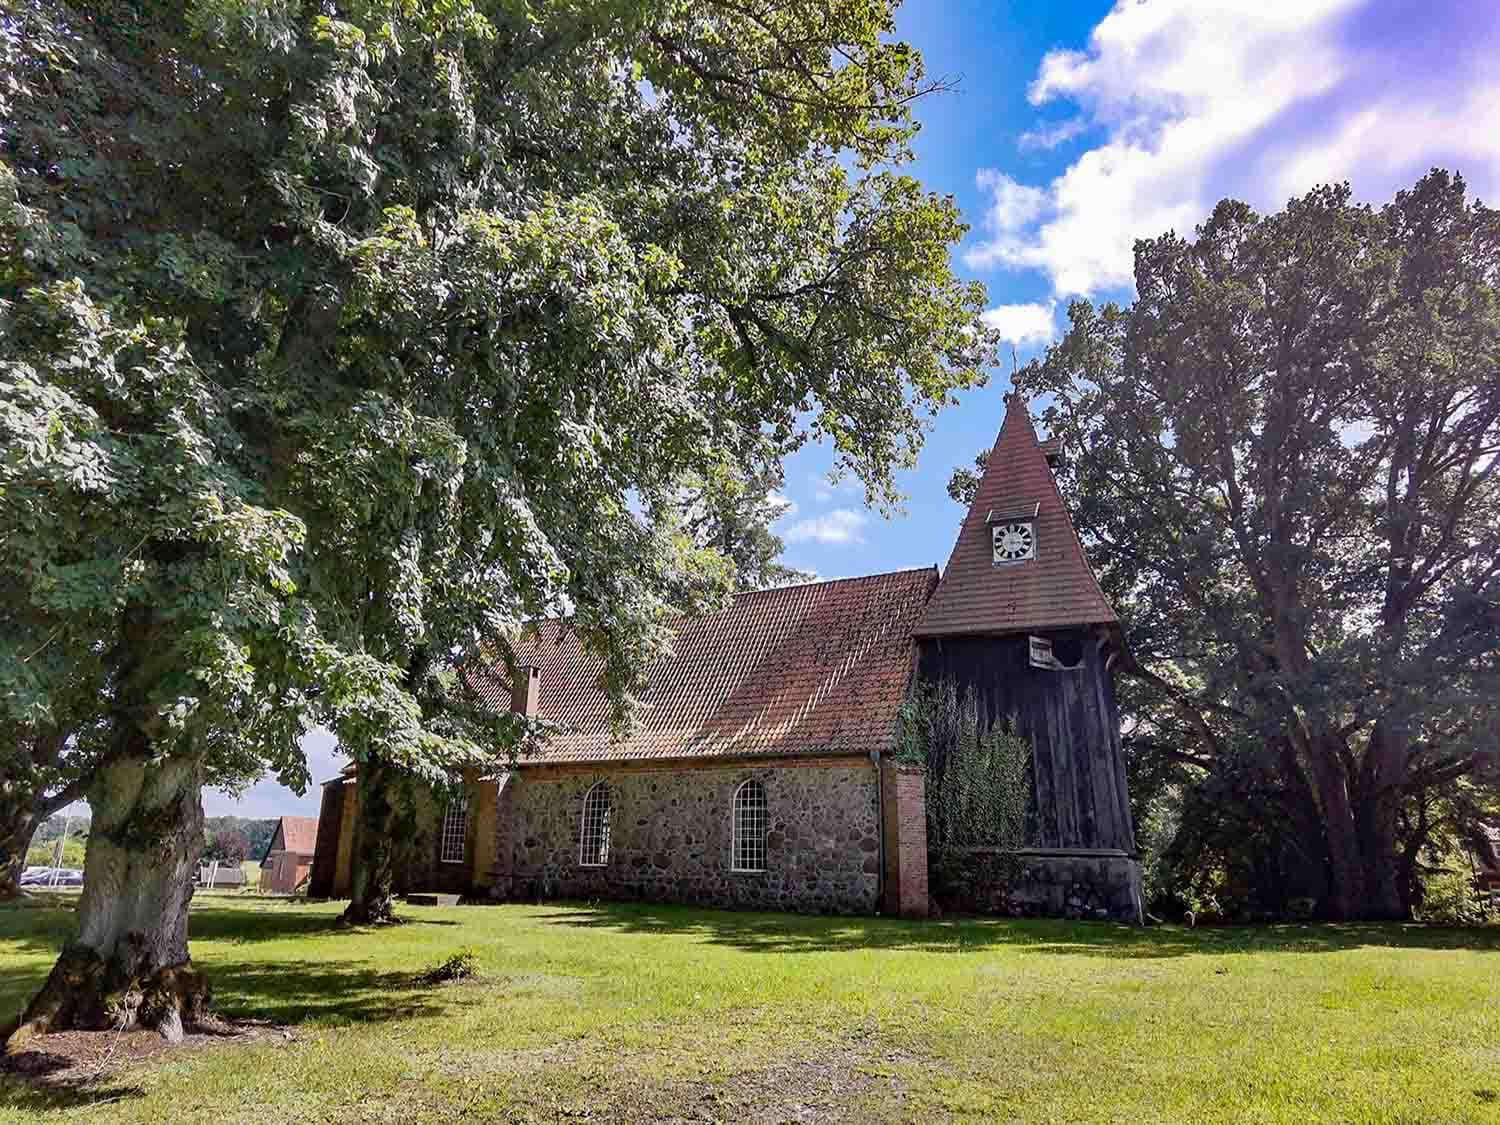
{"x":1257,"y":99}
{"x":1023,"y":325}
{"x":785,"y":505}
{"x":1051,"y":136}
{"x":842,"y":525}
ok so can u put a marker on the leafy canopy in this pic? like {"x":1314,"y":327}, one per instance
{"x":422,"y":317}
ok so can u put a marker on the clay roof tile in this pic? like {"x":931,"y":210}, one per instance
{"x":1055,"y":589}
{"x":819,"y":667}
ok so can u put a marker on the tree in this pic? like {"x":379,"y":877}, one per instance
{"x":1283,"y":457}
{"x":227,"y":845}
{"x":348,"y":343}
{"x":732,"y":514}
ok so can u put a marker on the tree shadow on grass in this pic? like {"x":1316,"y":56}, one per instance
{"x":38,"y":930}
{"x":281,"y":991}
{"x":210,"y":923}
{"x":794,"y":933}
{"x":338,"y":992}
{"x":29,"y":1099}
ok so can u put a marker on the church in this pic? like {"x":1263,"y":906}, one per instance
{"x":761,"y":772}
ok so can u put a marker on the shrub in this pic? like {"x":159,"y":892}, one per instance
{"x":463,"y":965}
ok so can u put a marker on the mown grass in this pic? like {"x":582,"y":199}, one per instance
{"x":637,"y":1013}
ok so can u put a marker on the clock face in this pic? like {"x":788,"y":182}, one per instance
{"x":1014,"y":542}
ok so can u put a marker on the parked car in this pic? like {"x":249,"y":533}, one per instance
{"x":43,"y":877}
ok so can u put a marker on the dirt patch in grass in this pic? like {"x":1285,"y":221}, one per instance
{"x":838,"y":1082}
{"x":73,"y":1060}
{"x":844,"y":1083}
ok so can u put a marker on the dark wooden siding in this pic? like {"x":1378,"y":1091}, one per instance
{"x":326,"y":853}
{"x":1078,"y":769}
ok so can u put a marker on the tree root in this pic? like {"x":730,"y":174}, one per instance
{"x":87,"y":993}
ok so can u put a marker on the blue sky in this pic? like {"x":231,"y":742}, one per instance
{"x":1079,"y":127}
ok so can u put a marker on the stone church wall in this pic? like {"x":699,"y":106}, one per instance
{"x":671,"y":832}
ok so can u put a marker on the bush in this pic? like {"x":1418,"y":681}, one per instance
{"x":463,"y":965}
{"x":1450,"y":898}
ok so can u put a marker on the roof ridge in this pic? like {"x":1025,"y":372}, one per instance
{"x":834,"y":581}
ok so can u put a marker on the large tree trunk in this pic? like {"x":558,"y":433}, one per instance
{"x":17,"y":826}
{"x":384,"y":816}
{"x":129,"y":964}
{"x":1382,"y":774}
{"x":1347,"y":894}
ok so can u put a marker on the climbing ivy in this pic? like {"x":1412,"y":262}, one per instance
{"x":978,"y":771}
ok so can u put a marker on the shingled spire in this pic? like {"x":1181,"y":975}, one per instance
{"x":1004,"y":582}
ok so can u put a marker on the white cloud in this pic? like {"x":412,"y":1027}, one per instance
{"x":786,"y":505}
{"x":1051,"y":136}
{"x":1013,"y":206}
{"x":842,"y":525}
{"x":1259,"y":99}
{"x":1023,"y":325}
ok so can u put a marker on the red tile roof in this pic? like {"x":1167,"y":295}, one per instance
{"x":296,"y":834}
{"x":1055,"y":589}
{"x":817,"y":667}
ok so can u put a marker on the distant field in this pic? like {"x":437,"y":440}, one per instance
{"x":635,"y":1013}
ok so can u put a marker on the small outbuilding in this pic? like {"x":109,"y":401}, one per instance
{"x":221,"y":876}
{"x":289,"y":854}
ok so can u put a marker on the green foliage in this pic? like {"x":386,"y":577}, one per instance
{"x":963,"y":485}
{"x":978,"y":783}
{"x":1450,"y":896}
{"x":227,"y":845}
{"x":1283,"y":462}
{"x":44,"y":853}
{"x":337,"y":346}
{"x":732,"y":514}
{"x":257,"y":831}
{"x":462,"y":965}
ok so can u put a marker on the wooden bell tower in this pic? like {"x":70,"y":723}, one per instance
{"x":1019,"y":617}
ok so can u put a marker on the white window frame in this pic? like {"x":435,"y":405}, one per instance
{"x":593,"y":826}
{"x":750,"y":822}
{"x":454,"y":831}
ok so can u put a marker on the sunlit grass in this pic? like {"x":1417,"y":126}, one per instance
{"x":620,"y":1013}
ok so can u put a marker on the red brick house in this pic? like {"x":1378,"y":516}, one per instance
{"x":759,"y":773}
{"x":289,"y":854}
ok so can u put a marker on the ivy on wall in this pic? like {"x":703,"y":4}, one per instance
{"x":978,"y":772}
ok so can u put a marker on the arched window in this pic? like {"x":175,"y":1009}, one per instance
{"x":593,"y":837}
{"x":454,"y":838}
{"x":750,"y":827}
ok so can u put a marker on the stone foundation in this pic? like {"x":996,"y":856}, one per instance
{"x":671,"y":835}
{"x":1048,"y":883}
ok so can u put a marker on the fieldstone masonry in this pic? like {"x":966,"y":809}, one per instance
{"x":1047,"y":883}
{"x":671,"y":834}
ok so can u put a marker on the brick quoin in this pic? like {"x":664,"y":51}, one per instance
{"x":905,"y":822}
{"x":502,"y":872}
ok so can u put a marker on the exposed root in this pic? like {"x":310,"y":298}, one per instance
{"x":86,"y":993}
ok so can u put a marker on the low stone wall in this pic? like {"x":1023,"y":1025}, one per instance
{"x":671,"y":835}
{"x":1039,"y":883}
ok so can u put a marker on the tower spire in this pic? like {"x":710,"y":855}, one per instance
{"x":1017,"y":565}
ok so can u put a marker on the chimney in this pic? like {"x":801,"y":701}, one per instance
{"x":525,"y":689}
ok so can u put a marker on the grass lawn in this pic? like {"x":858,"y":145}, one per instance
{"x":632,"y":1013}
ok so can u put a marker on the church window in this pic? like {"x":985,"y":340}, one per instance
{"x":750,"y":824}
{"x":454,"y":838}
{"x":593,"y":836}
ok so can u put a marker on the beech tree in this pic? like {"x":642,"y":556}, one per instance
{"x":363,"y":336}
{"x":1283,"y":457}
